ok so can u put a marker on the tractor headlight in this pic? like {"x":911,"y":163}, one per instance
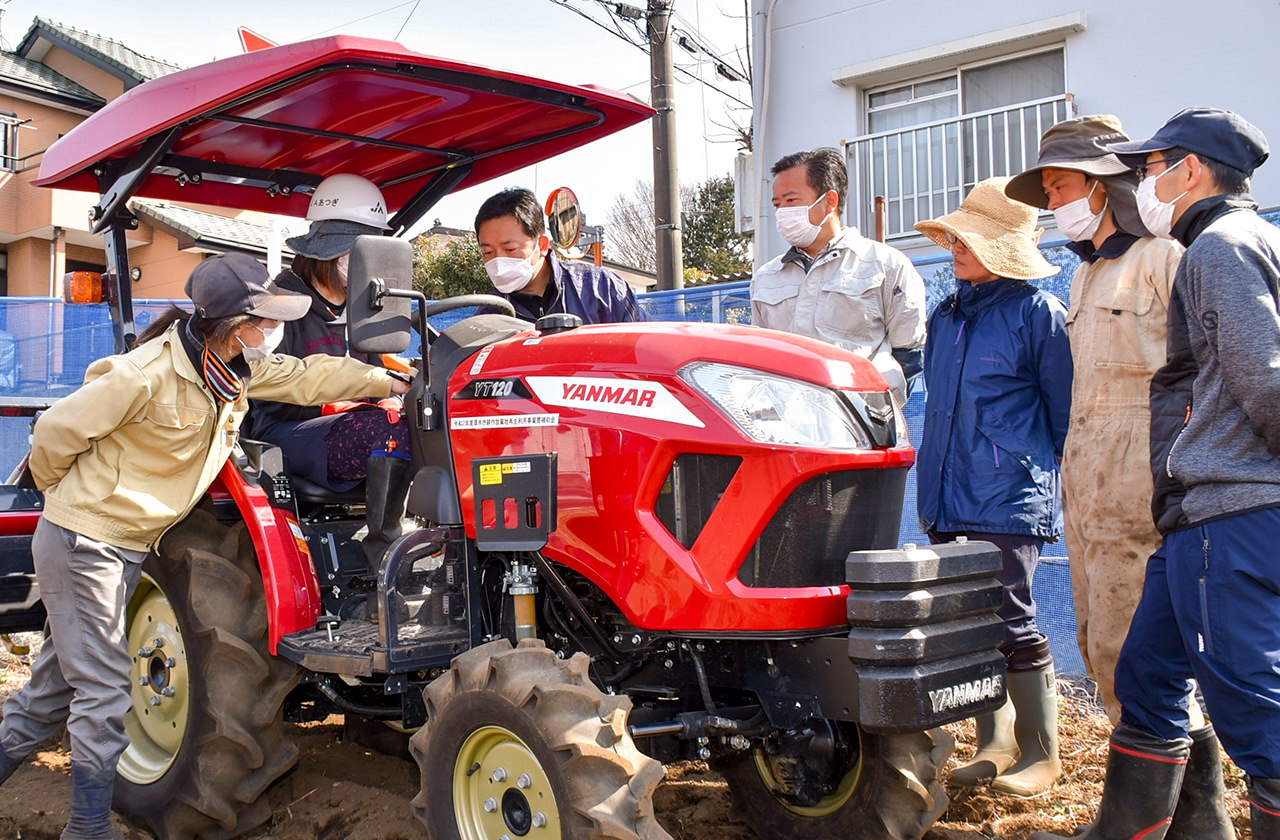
{"x":775,"y":409}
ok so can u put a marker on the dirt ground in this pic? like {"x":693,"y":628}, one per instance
{"x":344,"y":791}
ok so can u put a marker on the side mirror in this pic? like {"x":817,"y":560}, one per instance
{"x":378,"y":322}
{"x":564,"y":218}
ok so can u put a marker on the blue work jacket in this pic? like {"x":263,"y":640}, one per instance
{"x":997,"y":367}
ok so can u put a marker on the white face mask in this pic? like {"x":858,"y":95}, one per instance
{"x":270,"y":341}
{"x":1157,"y":215}
{"x":1076,"y":221}
{"x":509,"y":274}
{"x":794,"y":225}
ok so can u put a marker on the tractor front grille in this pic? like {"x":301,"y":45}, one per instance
{"x":691,"y":492}
{"x":806,"y":542}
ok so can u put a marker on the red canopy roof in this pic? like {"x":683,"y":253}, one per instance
{"x":259,"y":131}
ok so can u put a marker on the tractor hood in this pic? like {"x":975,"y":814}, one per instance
{"x":260,"y":131}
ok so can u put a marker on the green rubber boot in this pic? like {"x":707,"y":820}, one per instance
{"x":997,"y":748}
{"x":1035,"y":727}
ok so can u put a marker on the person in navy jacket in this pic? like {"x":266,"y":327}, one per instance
{"x":524,"y":270}
{"x":997,"y":369}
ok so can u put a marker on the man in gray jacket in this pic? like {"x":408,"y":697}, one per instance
{"x":835,"y":284}
{"x":1210,"y":605}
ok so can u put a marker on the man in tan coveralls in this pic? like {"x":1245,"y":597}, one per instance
{"x":1117,"y":322}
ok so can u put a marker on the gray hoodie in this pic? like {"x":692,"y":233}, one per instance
{"x":1228,"y":454}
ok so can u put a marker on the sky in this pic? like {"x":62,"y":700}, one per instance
{"x":535,"y":37}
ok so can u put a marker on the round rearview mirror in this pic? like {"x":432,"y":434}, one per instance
{"x":564,"y":218}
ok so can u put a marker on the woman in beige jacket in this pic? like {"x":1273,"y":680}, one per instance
{"x":121,"y":460}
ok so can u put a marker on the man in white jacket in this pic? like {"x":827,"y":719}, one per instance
{"x":834,"y":284}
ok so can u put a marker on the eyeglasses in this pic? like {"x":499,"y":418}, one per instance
{"x":258,"y":326}
{"x":952,"y":240}
{"x":1169,"y":163}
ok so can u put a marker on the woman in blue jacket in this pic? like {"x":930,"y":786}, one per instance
{"x":998,"y":373}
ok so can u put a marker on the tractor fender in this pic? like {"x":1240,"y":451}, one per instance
{"x":288,"y":571}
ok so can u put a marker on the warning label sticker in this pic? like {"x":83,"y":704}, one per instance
{"x":493,"y":473}
{"x":480,"y":358}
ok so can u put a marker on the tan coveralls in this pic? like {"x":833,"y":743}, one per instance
{"x":1117,"y":324}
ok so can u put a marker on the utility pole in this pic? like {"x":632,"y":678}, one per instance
{"x":666,"y":181}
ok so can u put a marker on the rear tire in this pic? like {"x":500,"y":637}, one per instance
{"x":891,"y":791}
{"x":520,"y":743}
{"x":203,"y":752}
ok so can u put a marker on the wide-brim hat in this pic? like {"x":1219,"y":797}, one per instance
{"x":1079,"y":145}
{"x":237,"y":284}
{"x":1000,"y":232}
{"x":328,"y":239}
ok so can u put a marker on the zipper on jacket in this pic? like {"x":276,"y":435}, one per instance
{"x":1168,"y":459}
{"x":1206,"y":637}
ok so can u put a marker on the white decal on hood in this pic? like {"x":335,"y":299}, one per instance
{"x":634,"y":397}
{"x":480,"y":357}
{"x":505,"y":421}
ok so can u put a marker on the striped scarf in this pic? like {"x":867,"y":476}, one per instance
{"x":225,"y":383}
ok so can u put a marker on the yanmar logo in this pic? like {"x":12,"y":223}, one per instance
{"x":965,"y":694}
{"x":634,"y":397}
{"x":604,"y":394}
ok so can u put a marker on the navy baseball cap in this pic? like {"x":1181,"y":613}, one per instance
{"x":237,"y":284}
{"x":1212,"y":132}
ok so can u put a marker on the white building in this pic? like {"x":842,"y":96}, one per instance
{"x":927,"y":97}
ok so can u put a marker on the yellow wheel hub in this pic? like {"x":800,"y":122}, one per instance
{"x":161,"y":687}
{"x":501,"y":789}
{"x":827,"y":805}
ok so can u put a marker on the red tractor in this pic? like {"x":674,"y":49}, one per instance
{"x":629,"y":544}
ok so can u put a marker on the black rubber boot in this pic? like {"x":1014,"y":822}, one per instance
{"x":1144,"y":776}
{"x":385,"y":489}
{"x":1264,"y":807}
{"x":91,"y":805}
{"x":1201,"y":813}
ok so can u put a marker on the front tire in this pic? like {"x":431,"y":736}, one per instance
{"x":206,"y":730}
{"x":520,"y":743}
{"x":890,"y":790}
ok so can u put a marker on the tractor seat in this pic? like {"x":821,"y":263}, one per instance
{"x":310,"y":493}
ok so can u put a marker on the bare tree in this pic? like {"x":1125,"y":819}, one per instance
{"x":629,"y":235}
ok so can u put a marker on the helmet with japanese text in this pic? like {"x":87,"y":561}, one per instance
{"x":348,"y":198}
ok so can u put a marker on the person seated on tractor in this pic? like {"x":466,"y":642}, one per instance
{"x":518,"y":258}
{"x":121,"y":460}
{"x":337,"y":447}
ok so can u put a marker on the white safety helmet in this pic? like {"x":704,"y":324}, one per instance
{"x":348,"y":198}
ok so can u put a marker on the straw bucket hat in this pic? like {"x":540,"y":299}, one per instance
{"x":1000,"y":232}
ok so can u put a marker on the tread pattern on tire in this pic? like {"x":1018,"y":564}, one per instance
{"x":609,"y":782}
{"x":235,"y":746}
{"x":899,"y":795}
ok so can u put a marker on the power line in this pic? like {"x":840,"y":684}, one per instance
{"x":615,"y":10}
{"x":406,"y":19}
{"x":360,"y":19}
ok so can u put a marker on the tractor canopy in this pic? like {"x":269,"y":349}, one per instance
{"x":259,"y":131}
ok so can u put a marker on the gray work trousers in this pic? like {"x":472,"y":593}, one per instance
{"x":81,"y":676}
